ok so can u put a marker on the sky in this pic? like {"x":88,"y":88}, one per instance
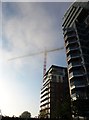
{"x":28,"y":27}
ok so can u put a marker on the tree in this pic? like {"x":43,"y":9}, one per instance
{"x":42,"y":114}
{"x":25,"y":114}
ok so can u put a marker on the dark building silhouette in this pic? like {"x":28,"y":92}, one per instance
{"x":55,"y":99}
{"x":76,"y":36}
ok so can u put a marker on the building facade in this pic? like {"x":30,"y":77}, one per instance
{"x":55,"y":93}
{"x":76,"y":35}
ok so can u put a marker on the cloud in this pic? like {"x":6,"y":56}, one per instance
{"x":30,"y":30}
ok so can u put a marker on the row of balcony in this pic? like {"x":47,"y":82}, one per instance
{"x":70,"y":36}
{"x":45,"y":88}
{"x":77,"y":86}
{"x":72,"y":41}
{"x":45,"y":98}
{"x":72,"y":49}
{"x":80,"y":81}
{"x":70,"y":30}
{"x":47,"y":78}
{"x":45,"y":94}
{"x":76,"y":47}
{"x":46,"y":106}
{"x":79,"y":95}
{"x":76,"y":74}
{"x":76,"y":64}
{"x":73,"y":56}
{"x":44,"y":103}
{"x":76,"y":57}
{"x":45,"y":91}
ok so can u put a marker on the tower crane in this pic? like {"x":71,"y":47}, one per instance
{"x":45,"y":56}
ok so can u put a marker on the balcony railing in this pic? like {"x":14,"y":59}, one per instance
{"x":70,"y":30}
{"x":77,"y":73}
{"x":73,"y":56}
{"x":69,"y":36}
{"x":76,"y":64}
{"x":70,"y":42}
{"x":77,"y":86}
{"x":72,"y":49}
{"x":45,"y":102}
{"x":45,"y":89}
{"x":45,"y":98}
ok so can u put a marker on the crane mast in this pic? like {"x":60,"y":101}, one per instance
{"x":45,"y":63}
{"x":45,"y":57}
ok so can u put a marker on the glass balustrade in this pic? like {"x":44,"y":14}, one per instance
{"x":72,"y":49}
{"x":76,"y":73}
{"x":76,"y":64}
{"x":73,"y":56}
{"x":69,"y":36}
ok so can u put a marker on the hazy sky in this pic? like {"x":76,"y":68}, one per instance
{"x":28,"y":27}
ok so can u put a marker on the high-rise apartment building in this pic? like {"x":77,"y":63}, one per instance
{"x":55,"y":93}
{"x":76,"y":35}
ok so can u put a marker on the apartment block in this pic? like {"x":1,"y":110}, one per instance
{"x":76,"y":35}
{"x":55,"y":93}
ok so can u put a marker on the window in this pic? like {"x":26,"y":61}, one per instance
{"x":54,"y":78}
{"x":61,"y":79}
